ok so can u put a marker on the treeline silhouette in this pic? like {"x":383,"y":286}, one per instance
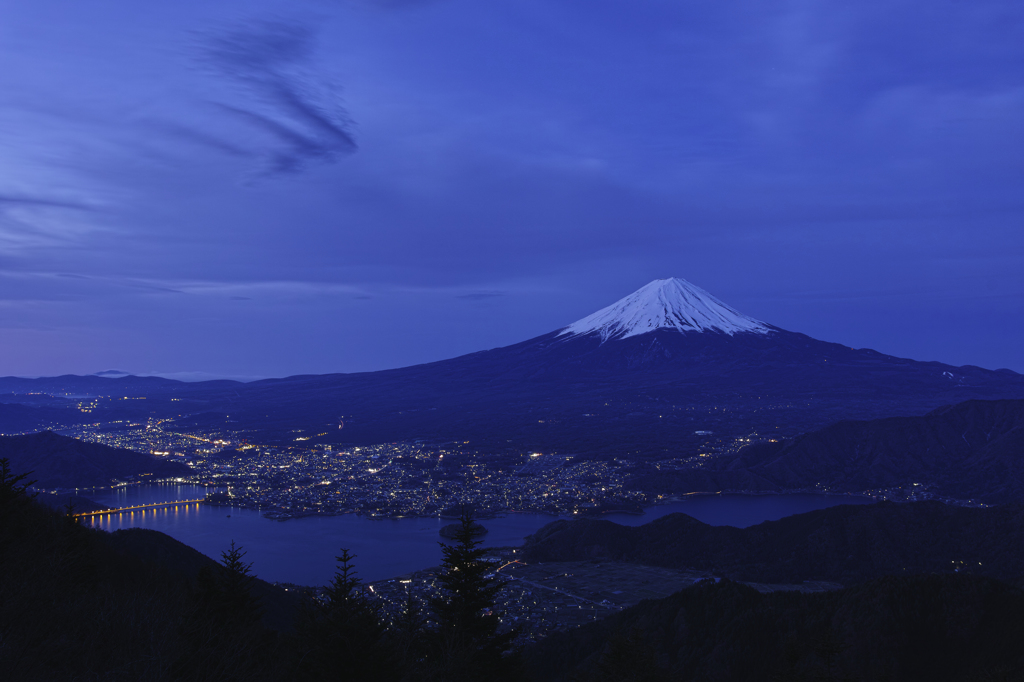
{"x":847,"y":544}
{"x":58,"y":461}
{"x":926,"y":627}
{"x":82,"y":604}
{"x":970,"y":450}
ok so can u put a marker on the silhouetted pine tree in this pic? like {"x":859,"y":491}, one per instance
{"x":234,"y":591}
{"x":13,"y":496}
{"x":73,"y":560}
{"x":467,"y":646}
{"x":343,"y":636}
{"x":225,"y":638}
{"x":12,"y":490}
{"x":408,"y":636}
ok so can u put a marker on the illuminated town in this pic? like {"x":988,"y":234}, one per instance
{"x":393,"y":479}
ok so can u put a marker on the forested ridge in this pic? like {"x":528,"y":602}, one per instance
{"x":966,"y":451}
{"x":61,"y":462}
{"x":83,"y":604}
{"x":925,"y":627}
{"x":845,"y":544}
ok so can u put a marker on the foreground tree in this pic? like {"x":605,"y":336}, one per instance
{"x":225,"y":593}
{"x":14,"y":496}
{"x":407,"y":632}
{"x":13,"y":488}
{"x":222,"y":628}
{"x":342,"y":635}
{"x":467,"y":645}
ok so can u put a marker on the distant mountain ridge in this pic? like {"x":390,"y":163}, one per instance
{"x":973,"y":450}
{"x":60,"y":462}
{"x":923,"y":628}
{"x":636,"y":379}
{"x":845,"y":544}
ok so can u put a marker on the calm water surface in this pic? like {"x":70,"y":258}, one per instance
{"x":302,"y":550}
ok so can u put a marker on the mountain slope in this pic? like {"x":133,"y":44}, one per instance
{"x":60,"y":462}
{"x":642,"y":395}
{"x":82,"y":604}
{"x":636,"y":379}
{"x":666,"y":304}
{"x":928,"y":628}
{"x":971,"y":450}
{"x":845,"y":544}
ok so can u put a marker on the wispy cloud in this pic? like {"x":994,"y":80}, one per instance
{"x":302,"y":115}
{"x":22,"y":286}
{"x":8,"y":200}
{"x":480,"y":295}
{"x":32,"y":221}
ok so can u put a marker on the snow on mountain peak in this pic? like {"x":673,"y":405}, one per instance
{"x":666,"y":304}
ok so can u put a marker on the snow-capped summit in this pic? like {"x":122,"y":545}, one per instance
{"x":666,"y":304}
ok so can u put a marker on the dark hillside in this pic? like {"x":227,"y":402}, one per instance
{"x":77,"y":503}
{"x":642,"y":396}
{"x":971,"y":450}
{"x":156,"y":548}
{"x":19,"y":418}
{"x":81,"y":604}
{"x":929,"y":628}
{"x":845,"y":544}
{"x":61,"y":462}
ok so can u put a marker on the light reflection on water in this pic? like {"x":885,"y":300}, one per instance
{"x":302,"y":550}
{"x":144,"y":518}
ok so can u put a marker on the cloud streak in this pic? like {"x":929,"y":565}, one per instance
{"x":480,"y":295}
{"x":28,"y":222}
{"x":301,"y":116}
{"x":12,"y":200}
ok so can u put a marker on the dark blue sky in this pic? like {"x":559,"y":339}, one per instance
{"x":266,"y":188}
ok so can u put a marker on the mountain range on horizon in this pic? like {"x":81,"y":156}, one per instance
{"x":637,"y":378}
{"x":662,"y":304}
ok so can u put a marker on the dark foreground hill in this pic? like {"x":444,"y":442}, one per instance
{"x":158,"y":549}
{"x":61,"y":462}
{"x":82,"y":604}
{"x":845,"y":544}
{"x":929,"y":628}
{"x":20,"y":418}
{"x":972,"y":450}
{"x":76,"y":504}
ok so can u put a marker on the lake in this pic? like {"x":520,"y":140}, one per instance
{"x":302,"y":550}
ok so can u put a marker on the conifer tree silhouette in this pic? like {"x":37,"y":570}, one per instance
{"x":343,"y":633}
{"x":223,"y":625}
{"x":12,"y":490}
{"x":467,"y":645}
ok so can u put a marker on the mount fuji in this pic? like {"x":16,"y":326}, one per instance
{"x":666,"y":304}
{"x":648,"y":376}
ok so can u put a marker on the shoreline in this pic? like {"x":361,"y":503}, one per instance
{"x":273,"y":514}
